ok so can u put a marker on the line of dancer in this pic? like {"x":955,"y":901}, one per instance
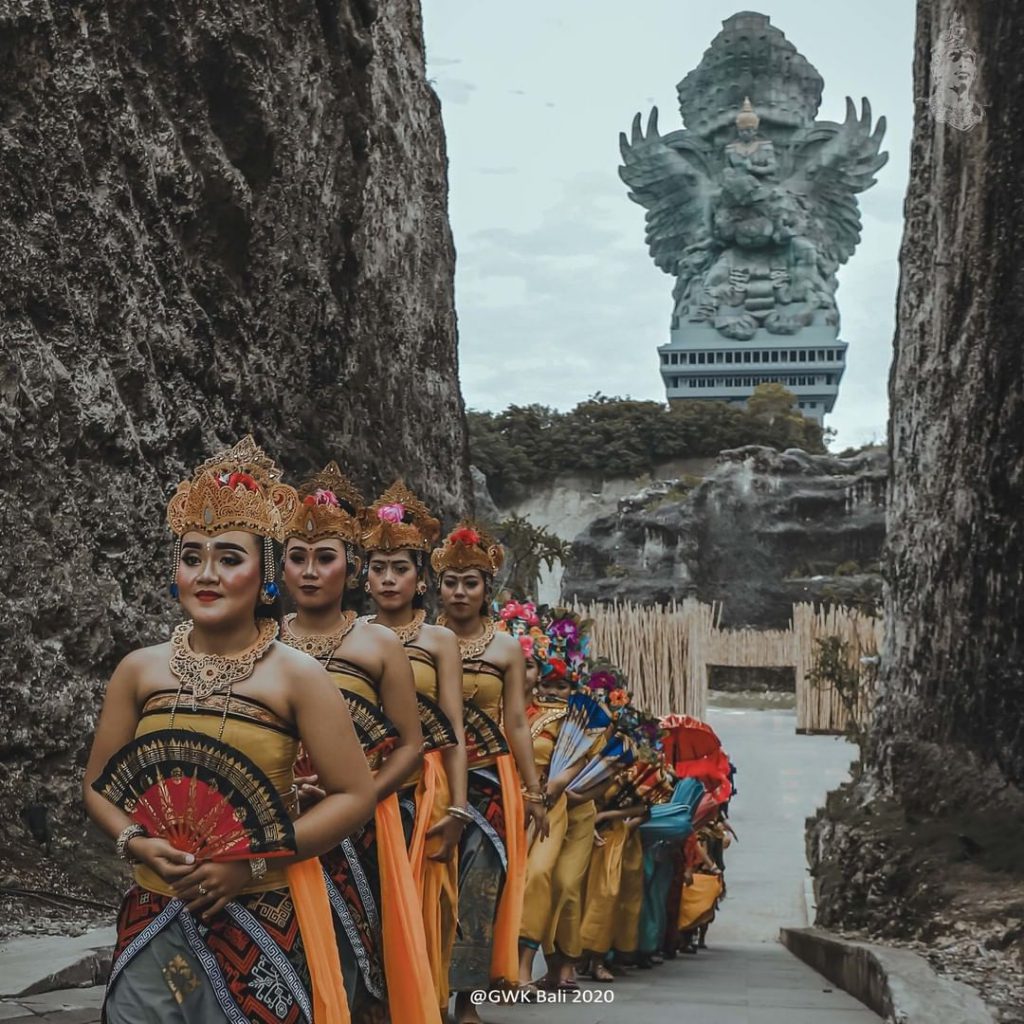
{"x":334,"y":818}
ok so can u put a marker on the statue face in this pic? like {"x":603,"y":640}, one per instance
{"x":962,"y":67}
{"x":747,"y":134}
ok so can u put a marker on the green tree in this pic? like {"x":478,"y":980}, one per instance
{"x":527,"y":548}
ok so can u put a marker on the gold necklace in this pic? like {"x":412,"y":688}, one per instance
{"x":472,"y":647}
{"x":318,"y":644}
{"x":407,"y":633}
{"x":207,"y":674}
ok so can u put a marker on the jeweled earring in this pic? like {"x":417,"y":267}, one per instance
{"x":421,"y":588}
{"x":269,"y":590}
{"x":353,"y":566}
{"x":175,"y":559}
{"x":366,"y":586}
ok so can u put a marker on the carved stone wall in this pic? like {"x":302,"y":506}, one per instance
{"x":214,"y":218}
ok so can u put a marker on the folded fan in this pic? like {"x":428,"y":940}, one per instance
{"x":200,"y":794}
{"x":635,"y":785}
{"x":618,"y":752}
{"x":484,"y":738}
{"x":376,"y":733}
{"x":585,"y":720}
{"x":438,"y":732}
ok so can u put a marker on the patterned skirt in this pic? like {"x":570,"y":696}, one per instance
{"x":353,"y":888}
{"x":482,"y":866}
{"x":247,"y":966}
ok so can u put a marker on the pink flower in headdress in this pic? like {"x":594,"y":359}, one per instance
{"x":526,"y":642}
{"x":391,"y":513}
{"x":566,"y":629}
{"x":322,"y":497}
{"x":512,"y":610}
{"x":529,"y":613}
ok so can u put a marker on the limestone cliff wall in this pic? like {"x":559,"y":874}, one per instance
{"x":214,"y":217}
{"x":930,"y":839}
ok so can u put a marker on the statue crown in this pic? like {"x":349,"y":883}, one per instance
{"x":747,"y":118}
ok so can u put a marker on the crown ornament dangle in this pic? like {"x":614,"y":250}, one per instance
{"x":269,"y":591}
{"x":172,"y":587}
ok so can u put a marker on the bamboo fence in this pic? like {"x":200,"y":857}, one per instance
{"x":820,"y":708}
{"x":665,"y":652}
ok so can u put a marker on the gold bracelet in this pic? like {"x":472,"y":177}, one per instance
{"x":460,"y":814}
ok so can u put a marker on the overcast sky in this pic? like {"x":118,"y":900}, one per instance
{"x":556,"y":294}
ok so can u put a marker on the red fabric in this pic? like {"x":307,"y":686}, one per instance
{"x":688,"y":738}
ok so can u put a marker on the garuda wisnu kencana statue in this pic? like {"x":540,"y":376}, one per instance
{"x":752,"y":206}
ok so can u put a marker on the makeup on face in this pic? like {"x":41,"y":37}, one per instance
{"x":315,"y":574}
{"x":219,"y":575}
{"x":392,"y":577}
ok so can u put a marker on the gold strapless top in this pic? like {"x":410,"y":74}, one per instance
{"x":349,"y":676}
{"x":545,"y":723}
{"x":251,"y":727}
{"x":424,"y":670}
{"x":483,"y":684}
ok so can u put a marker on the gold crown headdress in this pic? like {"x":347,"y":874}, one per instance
{"x":237,"y":489}
{"x":468,"y":547}
{"x":329,"y":506}
{"x":747,"y":118}
{"x":398,"y":520}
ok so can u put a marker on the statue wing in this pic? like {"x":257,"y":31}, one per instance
{"x":670,"y":177}
{"x":832,"y":163}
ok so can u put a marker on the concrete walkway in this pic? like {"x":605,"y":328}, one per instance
{"x":745,"y":977}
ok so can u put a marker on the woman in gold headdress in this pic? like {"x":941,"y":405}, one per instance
{"x":370,"y":882}
{"x":399,"y":532}
{"x":492,"y":853}
{"x":212,"y":941}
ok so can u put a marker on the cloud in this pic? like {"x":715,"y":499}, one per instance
{"x":454,"y":90}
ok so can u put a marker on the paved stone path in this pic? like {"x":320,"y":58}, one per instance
{"x":745,"y":977}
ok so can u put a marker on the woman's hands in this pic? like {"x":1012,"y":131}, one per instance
{"x":163,"y":859}
{"x":449,"y":831}
{"x":537,"y":816}
{"x":209,"y":887}
{"x":206,"y":887}
{"x":309,"y":793}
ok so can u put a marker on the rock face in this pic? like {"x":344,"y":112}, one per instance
{"x":946,"y":757}
{"x":762,"y":530}
{"x":214,"y":218}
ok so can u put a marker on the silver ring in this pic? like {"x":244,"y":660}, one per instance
{"x":202,"y":890}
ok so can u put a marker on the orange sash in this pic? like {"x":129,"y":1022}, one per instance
{"x":437,"y":882}
{"x":426,"y":796}
{"x":505,"y":951}
{"x":313,"y":912}
{"x":411,"y":996}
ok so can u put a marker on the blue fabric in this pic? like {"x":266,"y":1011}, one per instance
{"x":673,"y":820}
